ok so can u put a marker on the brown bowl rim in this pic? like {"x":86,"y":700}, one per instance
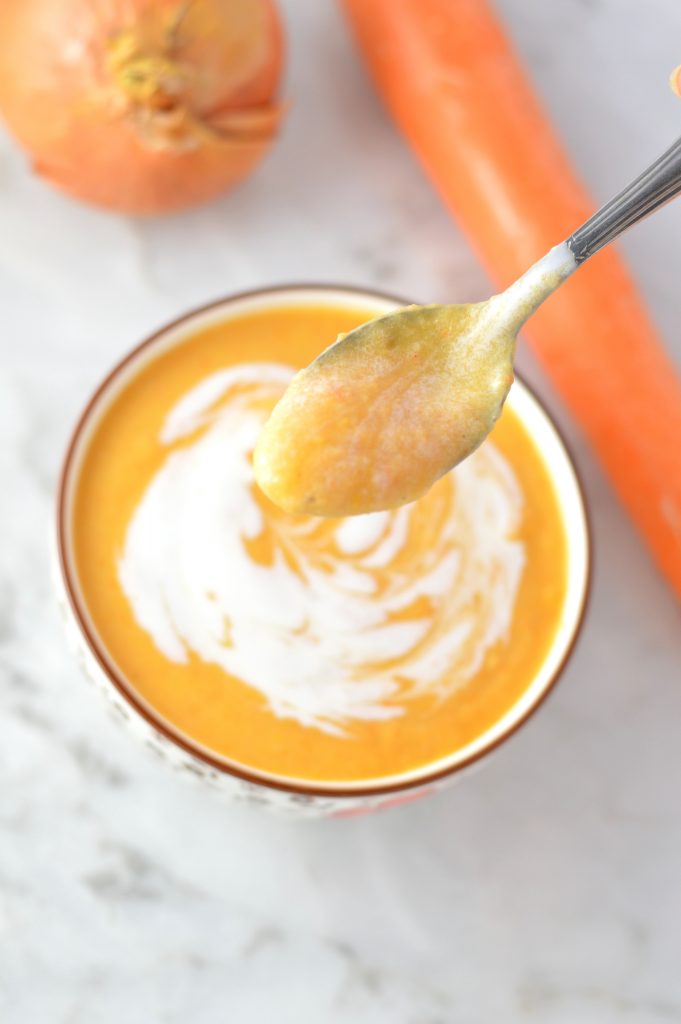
{"x":302,"y":788}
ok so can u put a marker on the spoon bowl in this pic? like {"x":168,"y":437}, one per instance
{"x":385,"y":411}
{"x":389,"y":408}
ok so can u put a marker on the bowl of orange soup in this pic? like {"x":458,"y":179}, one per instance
{"x":316,"y":665}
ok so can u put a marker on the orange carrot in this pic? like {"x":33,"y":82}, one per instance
{"x":456,"y":89}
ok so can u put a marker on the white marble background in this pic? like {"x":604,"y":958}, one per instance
{"x":545,"y":888}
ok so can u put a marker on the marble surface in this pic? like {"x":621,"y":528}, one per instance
{"x":546,"y":887}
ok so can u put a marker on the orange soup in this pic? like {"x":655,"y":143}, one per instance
{"x":312,"y":649}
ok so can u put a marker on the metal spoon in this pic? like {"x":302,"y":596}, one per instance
{"x":379,"y":416}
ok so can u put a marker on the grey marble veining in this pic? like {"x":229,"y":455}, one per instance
{"x":544,"y":888}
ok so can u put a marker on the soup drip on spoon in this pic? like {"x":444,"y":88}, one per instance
{"x":396,"y":403}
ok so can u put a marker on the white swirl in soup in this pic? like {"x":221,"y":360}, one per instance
{"x":331,"y":621}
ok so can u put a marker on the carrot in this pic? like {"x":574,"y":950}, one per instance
{"x":456,"y":89}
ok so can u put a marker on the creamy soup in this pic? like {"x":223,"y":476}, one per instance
{"x":314,"y":649}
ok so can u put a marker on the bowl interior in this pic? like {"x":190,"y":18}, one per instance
{"x":524,"y":404}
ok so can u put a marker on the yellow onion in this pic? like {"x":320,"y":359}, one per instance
{"x":675,"y":80}
{"x":142,"y":106}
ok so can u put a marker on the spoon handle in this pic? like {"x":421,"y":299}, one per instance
{"x":655,"y":187}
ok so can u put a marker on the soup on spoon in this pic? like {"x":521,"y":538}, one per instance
{"x":395,"y":404}
{"x":392,"y":406}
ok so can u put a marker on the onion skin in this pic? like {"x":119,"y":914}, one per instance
{"x":141,"y":106}
{"x":675,"y":80}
